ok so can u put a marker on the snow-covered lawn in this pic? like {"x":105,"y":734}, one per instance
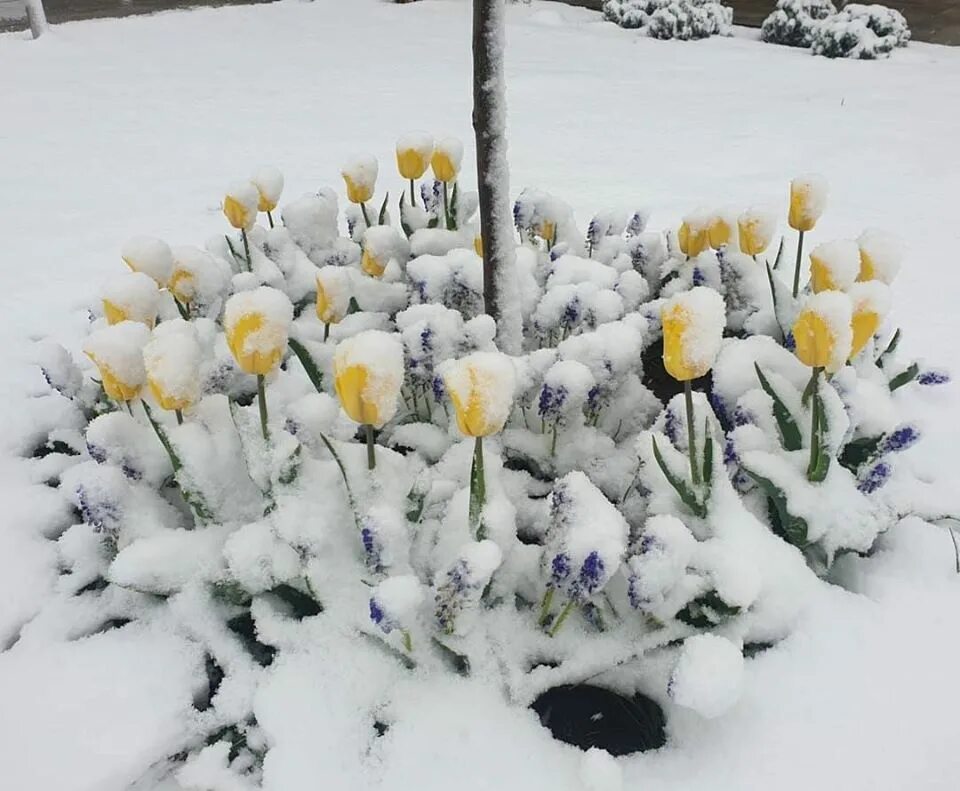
{"x":113,"y":128}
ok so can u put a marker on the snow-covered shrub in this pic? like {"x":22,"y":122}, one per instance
{"x":794,"y":22}
{"x":861,"y":31}
{"x":299,"y":424}
{"x":672,"y":19}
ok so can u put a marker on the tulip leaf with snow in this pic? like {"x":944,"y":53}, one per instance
{"x":693,"y":323}
{"x":269,"y":183}
{"x":257,"y":325}
{"x":481,"y":387}
{"x":240,"y":205}
{"x":808,"y":199}
{"x":368,"y":375}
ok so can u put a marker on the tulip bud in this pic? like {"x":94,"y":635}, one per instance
{"x":257,"y":325}
{"x":269,"y":184}
{"x":871,"y":302}
{"x":481,"y":387}
{"x":133,"y":296}
{"x":150,"y":256}
{"x":694,"y":234}
{"x":381,"y":244}
{"x":834,"y":266}
{"x":722,"y":231}
{"x":360,"y":177}
{"x":333,"y":294}
{"x":822,"y":331}
{"x":172,"y":360}
{"x":447,"y":157}
{"x":240,"y":205}
{"x":117,"y":351}
{"x":880,"y":256}
{"x":414,"y":151}
{"x":197,"y":276}
{"x":808,"y":199}
{"x":756,"y":228}
{"x":368,"y":374}
{"x":693,"y":323}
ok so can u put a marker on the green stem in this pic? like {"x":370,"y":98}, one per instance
{"x":262,"y":403}
{"x":130,"y":408}
{"x":446,"y":206}
{"x":545,"y":604}
{"x":371,"y":455}
{"x":796,"y":269}
{"x":326,"y":331}
{"x":161,"y":435}
{"x":407,"y":642}
{"x":426,"y":400}
{"x":691,"y":435}
{"x":179,"y":415}
{"x":814,"y":426}
{"x":182,"y":309}
{"x":553,"y":442}
{"x":343,"y":474}
{"x":366,"y":217}
{"x":413,"y":194}
{"x":246,"y":249}
{"x":478,"y":491}
{"x":270,"y":218}
{"x":561,"y":618}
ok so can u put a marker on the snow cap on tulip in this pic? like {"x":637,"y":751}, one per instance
{"x":693,"y":323}
{"x":333,"y":294}
{"x":172,"y":359}
{"x":808,"y":199}
{"x":880,"y":256}
{"x":481,"y":387}
{"x":360,"y":178}
{"x":150,"y":256}
{"x":871,"y":303}
{"x":823,"y":333}
{"x":240,"y":205}
{"x":133,"y":296}
{"x":117,"y":351}
{"x":756,"y":227}
{"x":368,"y":374}
{"x":257,"y":325}
{"x":269,"y":183}
{"x":447,"y":156}
{"x":834,"y":266}
{"x":414,"y":152}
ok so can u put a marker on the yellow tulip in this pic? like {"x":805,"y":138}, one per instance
{"x":257,"y":325}
{"x":117,"y":351}
{"x":807,"y":201}
{"x":325,"y":306}
{"x":865,"y":324}
{"x":357,"y":192}
{"x":360,"y":178}
{"x":172,"y":360}
{"x":269,"y":184}
{"x":414,"y":153}
{"x":446,"y":160}
{"x":693,"y":324}
{"x":240,"y":205}
{"x":719,"y":233}
{"x":481,"y":387}
{"x":756,"y":231}
{"x":871,"y":301}
{"x":368,"y":373}
{"x":693,"y":238}
{"x":822,"y":332}
{"x":182,"y":285}
{"x":478,"y":245}
{"x":547,"y":231}
{"x":372,"y":265}
{"x":133,"y":296}
{"x":880,"y":256}
{"x":834,"y":266}
{"x":114,"y":314}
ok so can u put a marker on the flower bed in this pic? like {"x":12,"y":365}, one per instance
{"x":292,"y":429}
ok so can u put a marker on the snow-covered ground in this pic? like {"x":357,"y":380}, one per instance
{"x":112,"y":128}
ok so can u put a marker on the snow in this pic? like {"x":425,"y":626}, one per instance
{"x":117,"y":351}
{"x":269,"y":183}
{"x":172,"y":359}
{"x":599,"y":771}
{"x":864,"y":673}
{"x":150,"y":256}
{"x":708,"y":675}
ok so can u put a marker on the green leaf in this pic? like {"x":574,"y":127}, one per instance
{"x":707,"y":462}
{"x":858,"y":452}
{"x":680,"y":486}
{"x":779,"y":259}
{"x":302,"y":604}
{"x":383,"y":210}
{"x":415,"y":502}
{"x":478,"y":492}
{"x":231,"y":592}
{"x":891,"y":347}
{"x":245,"y":629}
{"x":353,"y":306}
{"x":821,"y":466}
{"x":792,"y":528}
{"x":407,"y":230}
{"x":790,"y":437}
{"x":707,"y":611}
{"x":308,"y":363}
{"x":905,"y":377}
{"x":773,"y":294}
{"x":290,"y":470}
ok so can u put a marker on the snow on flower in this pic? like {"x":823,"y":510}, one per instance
{"x":198,"y":279}
{"x":360,"y":177}
{"x":395,"y":601}
{"x":414,"y":151}
{"x":693,"y":323}
{"x":381,"y":245}
{"x":133,"y":296}
{"x":834,"y":266}
{"x":447,"y":156}
{"x":269,"y":183}
{"x":151,"y":256}
{"x":880,"y":256}
{"x":823,"y":331}
{"x":368,"y":371}
{"x":481,"y":386}
{"x":117,"y":351}
{"x":257,"y":324}
{"x":172,"y":359}
{"x":870,"y":302}
{"x":808,"y":199}
{"x":240,"y":205}
{"x":333,"y":294}
{"x":756,"y":226}
{"x":458,"y":590}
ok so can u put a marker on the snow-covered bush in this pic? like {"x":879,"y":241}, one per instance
{"x":297,"y":424}
{"x":672,"y":19}
{"x":793,"y":22}
{"x":861,"y":31}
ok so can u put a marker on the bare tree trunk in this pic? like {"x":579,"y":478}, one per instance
{"x":493,"y":179}
{"x":37,"y":17}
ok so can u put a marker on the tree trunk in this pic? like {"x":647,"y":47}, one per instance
{"x":37,"y":17}
{"x":493,"y":182}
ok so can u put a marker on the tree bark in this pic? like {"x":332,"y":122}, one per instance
{"x":489,"y":125}
{"x":37,"y":17}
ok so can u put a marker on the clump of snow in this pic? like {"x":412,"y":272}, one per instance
{"x":668,"y":19}
{"x":258,"y":559}
{"x":880,"y":256}
{"x":312,"y":222}
{"x":172,"y":359}
{"x":481,"y":386}
{"x":834,"y":266}
{"x":380,"y":356}
{"x":599,"y":771}
{"x":269,"y":183}
{"x":457,"y":592}
{"x":395,"y":602}
{"x":151,"y":256}
{"x":118,"y":439}
{"x":133,"y":296}
{"x":708,"y":675}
